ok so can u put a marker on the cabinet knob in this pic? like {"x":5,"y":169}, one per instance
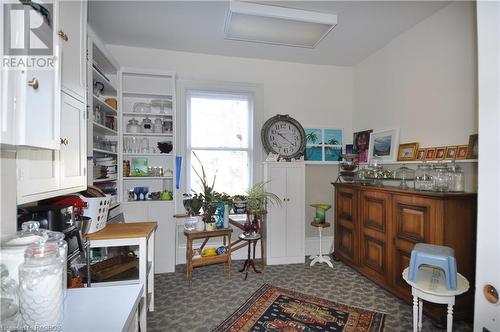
{"x":64,"y":141}
{"x":63,"y":35}
{"x":33,"y":83}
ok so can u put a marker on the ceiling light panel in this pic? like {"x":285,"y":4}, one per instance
{"x":277,"y":25}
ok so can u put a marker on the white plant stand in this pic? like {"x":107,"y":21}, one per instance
{"x":320,"y":258}
{"x":430,"y":285}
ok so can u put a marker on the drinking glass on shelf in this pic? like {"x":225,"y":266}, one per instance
{"x":145,"y":145}
{"x":135,"y":144}
{"x":126,"y":145}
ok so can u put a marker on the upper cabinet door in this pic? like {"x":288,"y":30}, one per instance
{"x":71,"y":32}
{"x":73,"y":143}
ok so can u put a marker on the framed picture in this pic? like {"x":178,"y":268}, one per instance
{"x":139,"y":167}
{"x":361,"y":141}
{"x":451,"y":152}
{"x":462,"y":151}
{"x":407,"y":151}
{"x":430,"y":153}
{"x":421,"y":154}
{"x":473,"y":149}
{"x":323,"y":145}
{"x":383,"y":145}
{"x":348,"y":148}
{"x":440,"y":153}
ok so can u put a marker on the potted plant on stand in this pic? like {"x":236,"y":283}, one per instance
{"x":207,"y":195}
{"x":239,"y":204}
{"x":257,"y":200}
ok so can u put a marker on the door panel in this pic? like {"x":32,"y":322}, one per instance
{"x":276,"y":225}
{"x":345,"y":225}
{"x":295,"y":214}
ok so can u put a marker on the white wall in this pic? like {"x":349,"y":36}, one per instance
{"x":423,"y":82}
{"x":314,"y":95}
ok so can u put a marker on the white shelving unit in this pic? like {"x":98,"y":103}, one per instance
{"x":103,"y":121}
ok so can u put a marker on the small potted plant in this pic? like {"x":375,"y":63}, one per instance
{"x":207,"y":195}
{"x":258,"y":199}
{"x":239,"y":204}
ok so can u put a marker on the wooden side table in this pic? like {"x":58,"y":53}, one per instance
{"x":320,"y":258}
{"x":238,"y":221}
{"x":250,"y":262}
{"x":430,"y":285}
{"x":209,"y":260}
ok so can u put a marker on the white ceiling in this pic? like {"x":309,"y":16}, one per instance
{"x":198,"y":26}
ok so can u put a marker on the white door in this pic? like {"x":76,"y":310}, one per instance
{"x":276,"y":236}
{"x":487,"y":308}
{"x":162,"y":212}
{"x":73,"y":143}
{"x":295,"y":213}
{"x":73,"y":38}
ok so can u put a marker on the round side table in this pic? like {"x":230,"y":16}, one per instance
{"x":430,"y":286}
{"x":250,"y":261}
{"x":320,"y":258}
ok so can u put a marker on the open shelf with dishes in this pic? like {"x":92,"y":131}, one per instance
{"x":147,"y":153}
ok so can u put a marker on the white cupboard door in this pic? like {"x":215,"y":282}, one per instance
{"x":165,"y":236}
{"x":9,"y":81}
{"x":73,"y":143}
{"x":277,"y":223}
{"x":295,"y":213}
{"x":71,"y":32}
{"x":37,"y":174}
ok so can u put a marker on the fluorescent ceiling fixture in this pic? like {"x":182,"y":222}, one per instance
{"x":277,"y":25}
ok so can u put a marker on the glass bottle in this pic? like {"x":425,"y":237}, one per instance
{"x":58,"y":239}
{"x":9,"y":301}
{"x":457,"y":178}
{"x":441,"y":179}
{"x":40,"y":286}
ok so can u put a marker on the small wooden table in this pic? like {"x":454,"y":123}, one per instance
{"x":320,"y":258}
{"x":250,"y":262}
{"x":430,"y":285}
{"x":209,"y":260}
{"x":238,"y":221}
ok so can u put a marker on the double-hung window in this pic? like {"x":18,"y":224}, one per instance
{"x":219,"y":133}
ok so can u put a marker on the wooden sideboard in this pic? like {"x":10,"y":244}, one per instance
{"x":376,"y":229}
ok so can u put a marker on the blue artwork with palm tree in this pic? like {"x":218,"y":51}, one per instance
{"x":313,"y":136}
{"x":332,"y":137}
{"x":323,"y":144}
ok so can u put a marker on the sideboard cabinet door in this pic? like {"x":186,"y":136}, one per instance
{"x":346,"y":229}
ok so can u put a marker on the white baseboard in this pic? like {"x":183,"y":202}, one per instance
{"x":311,"y":248}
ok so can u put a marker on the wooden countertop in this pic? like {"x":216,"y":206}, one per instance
{"x":124,"y":231}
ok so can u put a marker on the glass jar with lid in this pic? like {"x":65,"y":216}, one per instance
{"x":147,"y":126}
{"x":62,"y":245}
{"x":40,"y":286}
{"x":441,"y":178}
{"x":423,"y":178}
{"x":133,"y":126}
{"x":457,"y":178}
{"x":404,"y":174}
{"x":9,"y":301}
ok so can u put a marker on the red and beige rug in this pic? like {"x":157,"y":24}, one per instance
{"x":276,"y":309}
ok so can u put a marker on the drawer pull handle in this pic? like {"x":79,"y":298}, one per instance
{"x":63,"y":35}
{"x":33,"y":83}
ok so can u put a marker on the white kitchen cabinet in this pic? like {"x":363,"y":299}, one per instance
{"x":72,"y":35}
{"x":162,"y":212}
{"x":285,"y":224}
{"x":73,"y":143}
{"x":44,"y":173}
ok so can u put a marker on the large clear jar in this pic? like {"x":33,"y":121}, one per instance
{"x":40,"y":287}
{"x":9,"y":302}
{"x":457,"y":178}
{"x":423,"y":178}
{"x":441,"y":178}
{"x":58,"y":239}
{"x":404,"y":174}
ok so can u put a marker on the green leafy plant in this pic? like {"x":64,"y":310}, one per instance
{"x":207,"y":193}
{"x":258,"y":197}
{"x":239,"y":198}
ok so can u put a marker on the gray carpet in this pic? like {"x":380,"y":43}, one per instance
{"x":213,"y":297}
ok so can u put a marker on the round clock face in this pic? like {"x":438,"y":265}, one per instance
{"x":283,"y":135}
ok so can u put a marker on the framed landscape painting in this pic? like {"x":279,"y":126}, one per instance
{"x":383,"y":145}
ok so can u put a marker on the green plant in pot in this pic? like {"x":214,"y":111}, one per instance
{"x":207,"y":194}
{"x":192,"y":203}
{"x":239,"y":204}
{"x":258,"y":199}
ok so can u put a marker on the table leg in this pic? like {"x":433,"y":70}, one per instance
{"x":420,"y":308}
{"x":229,"y":251}
{"x":189,"y":260}
{"x":415,"y":313}
{"x":449,"y":318}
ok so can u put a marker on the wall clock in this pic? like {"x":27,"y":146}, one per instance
{"x":283,"y":135}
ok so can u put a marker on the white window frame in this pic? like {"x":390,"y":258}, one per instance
{"x":257,"y":150}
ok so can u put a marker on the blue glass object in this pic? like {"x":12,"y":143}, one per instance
{"x":219,"y":216}
{"x":137,"y":192}
{"x":178,"y":165}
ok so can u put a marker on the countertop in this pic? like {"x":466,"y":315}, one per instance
{"x":101,"y":309}
{"x":124,"y":231}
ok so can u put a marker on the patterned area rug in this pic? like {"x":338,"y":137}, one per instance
{"x":277,"y":309}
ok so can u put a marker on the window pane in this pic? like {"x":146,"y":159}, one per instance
{"x":231,"y":168}
{"x":219,"y":122}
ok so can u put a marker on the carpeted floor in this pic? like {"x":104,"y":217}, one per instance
{"x":213,"y":297}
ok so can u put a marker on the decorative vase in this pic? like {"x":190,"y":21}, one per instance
{"x":210,"y":226}
{"x":219,"y":216}
{"x":226,"y":216}
{"x":240,"y":207}
{"x":247,"y":226}
{"x":199,"y":225}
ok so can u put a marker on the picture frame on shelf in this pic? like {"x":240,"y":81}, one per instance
{"x":139,"y":166}
{"x":473,"y":148}
{"x":462,"y":151}
{"x":451,"y":153}
{"x":408,"y":151}
{"x":440,"y":153}
{"x":383,"y":145}
{"x":430,"y":153}
{"x":361,"y":144}
{"x":421,"y":154}
{"x":323,"y":145}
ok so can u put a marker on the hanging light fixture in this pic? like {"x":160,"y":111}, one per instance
{"x":277,"y":25}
